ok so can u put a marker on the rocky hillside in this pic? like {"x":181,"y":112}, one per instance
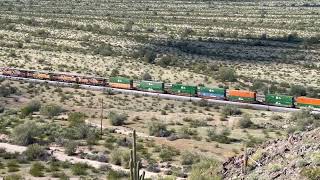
{"x":297,"y":157}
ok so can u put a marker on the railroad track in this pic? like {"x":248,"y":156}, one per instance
{"x":159,"y":95}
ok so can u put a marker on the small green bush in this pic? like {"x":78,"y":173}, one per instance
{"x":206,"y":169}
{"x":76,"y":118}
{"x":230,"y":110}
{"x":189,"y":158}
{"x":70,"y":148}
{"x":158,"y":129}
{"x":245,"y":122}
{"x":117,"y":119}
{"x":51,"y":110}
{"x":25,"y":134}
{"x":115,"y":175}
{"x":79,"y":169}
{"x":13,"y":166}
{"x":36,"y":169}
{"x":35,"y":152}
{"x":311,"y":173}
{"x":219,"y":136}
{"x":13,"y":177}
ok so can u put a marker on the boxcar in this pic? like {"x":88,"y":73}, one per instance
{"x":185,"y":90}
{"x":308,"y":102}
{"x":151,"y":86}
{"x":206,"y":92}
{"x":121,"y":82}
{"x":279,"y":100}
{"x":242,"y":96}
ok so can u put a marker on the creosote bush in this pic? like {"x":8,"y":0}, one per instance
{"x":117,"y":119}
{"x":158,"y":129}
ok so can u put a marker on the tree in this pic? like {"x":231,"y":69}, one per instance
{"x":117,"y":119}
{"x":25,"y":134}
{"x":227,"y":74}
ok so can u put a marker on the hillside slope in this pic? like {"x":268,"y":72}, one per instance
{"x":297,"y":157}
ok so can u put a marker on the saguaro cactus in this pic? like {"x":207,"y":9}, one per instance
{"x":134,"y":164}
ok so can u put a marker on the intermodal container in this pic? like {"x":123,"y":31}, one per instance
{"x":308,"y":102}
{"x":151,"y":86}
{"x":184,"y":89}
{"x":121,"y":82}
{"x":279,"y":100}
{"x":206,"y":92}
{"x":241,"y":95}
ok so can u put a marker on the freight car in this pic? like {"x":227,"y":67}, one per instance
{"x":279,"y":100}
{"x":121,"y":82}
{"x":184,"y":90}
{"x":308,"y":102}
{"x":242,"y":96}
{"x":151,"y":86}
{"x":216,"y":93}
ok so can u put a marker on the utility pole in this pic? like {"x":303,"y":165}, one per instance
{"x":101,"y":117}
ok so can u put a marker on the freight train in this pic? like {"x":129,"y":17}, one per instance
{"x":159,"y":87}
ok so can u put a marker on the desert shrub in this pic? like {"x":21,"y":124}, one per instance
{"x":146,"y":76}
{"x":31,"y":107}
{"x":245,"y":122}
{"x":219,"y":136}
{"x":13,"y":166}
{"x":186,"y":132}
{"x":189,"y":158}
{"x":230,"y":110}
{"x":36,"y":169}
{"x":13,"y":177}
{"x":158,"y":129}
{"x":103,"y":50}
{"x":303,"y":120}
{"x":206,"y":169}
{"x":120,"y":157}
{"x":312,"y":173}
{"x":51,"y":110}
{"x":35,"y":152}
{"x":167,"y":153}
{"x":198,"y":123}
{"x":79,"y":169}
{"x":227,"y":74}
{"x":25,"y":134}
{"x":115,"y":157}
{"x":315,"y":158}
{"x":6,"y":90}
{"x":298,"y":90}
{"x":203,"y":103}
{"x":115,"y":175}
{"x":117,"y":119}
{"x":92,"y":137}
{"x":2,"y":109}
{"x":274,"y":167}
{"x":252,"y":141}
{"x":71,"y":148}
{"x":76,"y":118}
